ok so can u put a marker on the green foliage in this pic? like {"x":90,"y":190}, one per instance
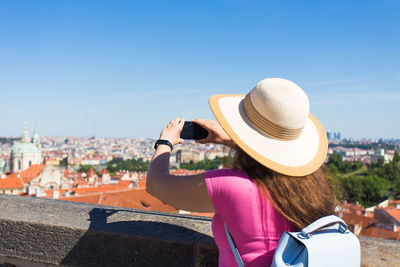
{"x":380,"y":162}
{"x":86,"y":168}
{"x":366,"y":185}
{"x":367,"y":190}
{"x":352,"y":188}
{"x":396,"y":158}
{"x":227,"y":161}
{"x":396,"y":188}
{"x":375,"y":189}
{"x":119,"y":164}
{"x":333,"y":168}
{"x":64,"y":162}
{"x":342,"y":166}
{"x":390,"y":172}
{"x":203,"y":165}
{"x":335,"y":183}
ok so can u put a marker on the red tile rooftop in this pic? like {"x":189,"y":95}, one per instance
{"x":365,"y":225}
{"x":91,"y":172}
{"x":124,"y":183}
{"x":90,"y":190}
{"x":352,"y":208}
{"x":119,"y":194}
{"x":11,"y":182}
{"x":394,"y":213}
{"x":73,"y":175}
{"x":132,"y":198}
{"x":380,"y":233}
{"x":357,"y":219}
{"x":103,"y":171}
{"x":29,"y":174}
{"x":141,"y":184}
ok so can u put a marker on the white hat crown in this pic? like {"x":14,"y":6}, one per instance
{"x":281,"y":102}
{"x":272,"y":124}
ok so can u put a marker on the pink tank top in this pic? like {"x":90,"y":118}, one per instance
{"x":254,"y":224}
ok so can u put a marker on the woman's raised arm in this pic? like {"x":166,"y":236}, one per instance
{"x":187,"y":192}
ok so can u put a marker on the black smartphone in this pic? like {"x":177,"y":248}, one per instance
{"x":193,"y":131}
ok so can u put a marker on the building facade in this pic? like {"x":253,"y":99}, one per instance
{"x":49,"y":178}
{"x":26,"y":152}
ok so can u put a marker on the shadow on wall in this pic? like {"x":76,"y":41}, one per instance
{"x":139,"y":243}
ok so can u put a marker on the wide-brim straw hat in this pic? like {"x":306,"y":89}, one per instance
{"x":273,"y":125}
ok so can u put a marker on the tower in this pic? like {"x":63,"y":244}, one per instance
{"x":26,"y":152}
{"x":25,"y":134}
{"x":36,"y":139}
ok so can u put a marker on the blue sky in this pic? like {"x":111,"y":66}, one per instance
{"x":125,"y":68}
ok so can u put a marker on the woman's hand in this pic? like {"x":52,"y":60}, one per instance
{"x":216,"y":134}
{"x":172,"y":131}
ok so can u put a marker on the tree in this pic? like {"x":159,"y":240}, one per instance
{"x":374,"y":189}
{"x":391,"y":172}
{"x":332,"y":167}
{"x":86,"y":168}
{"x":119,"y":164}
{"x":367,"y":190}
{"x":380,"y":162}
{"x":203,"y":165}
{"x":396,"y":158}
{"x":353,"y":190}
{"x":337,"y":160}
{"x":378,"y":182}
{"x":64,"y":162}
{"x":342,"y":166}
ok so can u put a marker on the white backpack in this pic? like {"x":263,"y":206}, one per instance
{"x":326,"y":242}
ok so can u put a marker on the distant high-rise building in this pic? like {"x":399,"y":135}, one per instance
{"x":329,"y":135}
{"x":336,"y":136}
{"x":333,"y":135}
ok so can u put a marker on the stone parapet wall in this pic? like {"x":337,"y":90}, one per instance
{"x":43,"y":232}
{"x":72,"y":234}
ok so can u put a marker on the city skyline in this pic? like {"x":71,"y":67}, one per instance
{"x":124,"y":69}
{"x":332,"y":136}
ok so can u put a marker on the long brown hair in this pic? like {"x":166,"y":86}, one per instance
{"x":301,"y":200}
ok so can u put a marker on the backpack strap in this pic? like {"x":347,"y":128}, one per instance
{"x":233,"y":247}
{"x":323,"y":222}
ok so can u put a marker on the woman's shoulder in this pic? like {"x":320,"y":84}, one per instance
{"x":228,"y":180}
{"x":226,"y":173}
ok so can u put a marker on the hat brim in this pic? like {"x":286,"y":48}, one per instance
{"x":298,"y":157}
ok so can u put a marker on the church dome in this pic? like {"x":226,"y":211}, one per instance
{"x":24,"y":148}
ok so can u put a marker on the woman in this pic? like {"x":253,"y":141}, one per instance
{"x":275,"y":184}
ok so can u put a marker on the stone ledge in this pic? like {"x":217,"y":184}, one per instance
{"x":72,"y":234}
{"x":42,"y":232}
{"x":379,"y":252}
